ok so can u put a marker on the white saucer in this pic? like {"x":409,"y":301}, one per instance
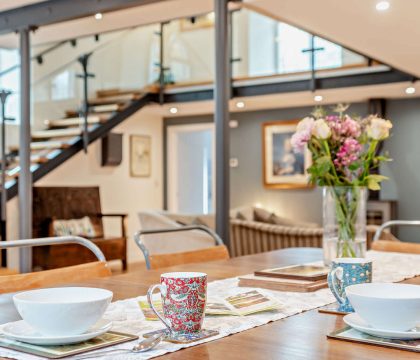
{"x":21,"y":331}
{"x":356,"y":322}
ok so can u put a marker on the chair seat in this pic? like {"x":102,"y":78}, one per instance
{"x":52,"y":257}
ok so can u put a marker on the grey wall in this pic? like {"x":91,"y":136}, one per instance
{"x":404,"y":172}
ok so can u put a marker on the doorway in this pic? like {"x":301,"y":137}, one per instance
{"x":190,"y":168}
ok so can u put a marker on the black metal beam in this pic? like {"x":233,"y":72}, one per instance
{"x":54,"y":11}
{"x":333,"y":82}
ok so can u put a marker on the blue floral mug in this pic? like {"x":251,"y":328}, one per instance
{"x":345,"y":272}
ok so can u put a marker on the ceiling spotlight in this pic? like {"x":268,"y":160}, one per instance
{"x":98,"y":16}
{"x":410,"y":90}
{"x":318,"y":98}
{"x":240,"y":104}
{"x":382,"y":5}
{"x":173,"y":110}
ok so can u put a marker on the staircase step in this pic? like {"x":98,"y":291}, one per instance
{"x":56,"y":133}
{"x":94,"y":110}
{"x":75,"y":121}
{"x":43,"y":145}
{"x":113,"y":99}
{"x":36,"y":158}
{"x":116,"y":92}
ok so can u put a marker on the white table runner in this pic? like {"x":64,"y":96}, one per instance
{"x":127,"y":317}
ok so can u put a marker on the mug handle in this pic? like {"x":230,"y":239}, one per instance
{"x":332,"y":281}
{"x":163,"y":290}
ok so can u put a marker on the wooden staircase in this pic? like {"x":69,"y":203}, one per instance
{"x":62,"y":138}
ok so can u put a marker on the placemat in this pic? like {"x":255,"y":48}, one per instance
{"x":127,"y":317}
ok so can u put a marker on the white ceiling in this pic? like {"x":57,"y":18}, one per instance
{"x":11,"y":4}
{"x":391,"y":36}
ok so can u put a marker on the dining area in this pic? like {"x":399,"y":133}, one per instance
{"x":204,"y":312}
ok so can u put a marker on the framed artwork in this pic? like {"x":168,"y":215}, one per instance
{"x":282,"y":168}
{"x":140,"y":156}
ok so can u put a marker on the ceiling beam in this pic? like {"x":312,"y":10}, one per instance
{"x":324,"y":83}
{"x":55,"y":11}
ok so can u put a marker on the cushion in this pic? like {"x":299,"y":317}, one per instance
{"x":78,"y":227}
{"x":278,"y":220}
{"x":262,"y":215}
{"x":243,"y":213}
{"x":182,"y":219}
{"x":206,"y":220}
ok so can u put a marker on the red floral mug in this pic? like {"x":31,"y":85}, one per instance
{"x":183,"y":300}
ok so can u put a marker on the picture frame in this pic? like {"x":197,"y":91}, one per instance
{"x":282,"y":168}
{"x":140,"y":156}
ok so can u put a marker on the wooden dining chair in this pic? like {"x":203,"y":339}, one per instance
{"x":395,"y":246}
{"x":157,"y":261}
{"x":69,"y":274}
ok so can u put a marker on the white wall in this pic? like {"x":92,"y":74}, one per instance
{"x":119,"y":192}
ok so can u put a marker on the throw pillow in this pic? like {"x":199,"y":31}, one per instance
{"x":77,"y":227}
{"x":262,"y":215}
{"x":206,"y":220}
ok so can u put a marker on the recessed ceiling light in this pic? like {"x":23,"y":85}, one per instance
{"x":410,"y":90}
{"x":318,"y":98}
{"x":382,"y":5}
{"x":240,"y":104}
{"x":98,"y":16}
{"x":173,"y":110}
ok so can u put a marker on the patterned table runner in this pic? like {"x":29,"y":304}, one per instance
{"x":127,"y":317}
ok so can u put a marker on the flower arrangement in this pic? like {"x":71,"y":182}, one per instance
{"x":343,"y":148}
{"x":344,"y":153}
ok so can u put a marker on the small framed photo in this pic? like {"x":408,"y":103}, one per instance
{"x":282,"y":168}
{"x":140,"y":156}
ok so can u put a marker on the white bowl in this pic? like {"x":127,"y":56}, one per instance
{"x":386,"y":306}
{"x":62,"y":311}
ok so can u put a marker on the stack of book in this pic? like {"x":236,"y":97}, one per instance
{"x":297,"y":278}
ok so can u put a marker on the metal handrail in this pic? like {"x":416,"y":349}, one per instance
{"x":59,"y":240}
{"x":387,"y":224}
{"x":145,"y":251}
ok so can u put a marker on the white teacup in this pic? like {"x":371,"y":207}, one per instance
{"x":386,"y":306}
{"x":62,"y":311}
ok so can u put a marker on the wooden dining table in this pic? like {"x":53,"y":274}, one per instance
{"x":301,"y":336}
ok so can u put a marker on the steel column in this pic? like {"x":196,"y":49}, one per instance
{"x":25,"y":176}
{"x":3,"y":233}
{"x":221,"y":117}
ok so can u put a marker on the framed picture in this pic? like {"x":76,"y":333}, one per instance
{"x":140,"y":156}
{"x":283,"y":169}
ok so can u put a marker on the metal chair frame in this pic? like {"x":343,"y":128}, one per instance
{"x":394,"y":223}
{"x":60,"y":240}
{"x":145,"y":251}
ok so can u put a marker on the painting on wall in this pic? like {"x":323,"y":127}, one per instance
{"x":140,"y":156}
{"x":283,"y":169}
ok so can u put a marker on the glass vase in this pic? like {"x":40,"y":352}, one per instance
{"x":344,"y":222}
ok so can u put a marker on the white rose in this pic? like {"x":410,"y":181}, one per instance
{"x":378,"y":129}
{"x":305,"y":125}
{"x":321,"y":130}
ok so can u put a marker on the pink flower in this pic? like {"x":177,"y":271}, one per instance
{"x":303,"y":134}
{"x":299,"y":141}
{"x":348,"y":153}
{"x":350,"y":127}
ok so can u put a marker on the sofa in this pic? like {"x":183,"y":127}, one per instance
{"x":252,"y":230}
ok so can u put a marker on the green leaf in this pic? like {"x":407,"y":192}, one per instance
{"x":376,"y":177}
{"x":373,"y":185}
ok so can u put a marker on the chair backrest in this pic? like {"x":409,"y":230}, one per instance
{"x":64,"y":203}
{"x":71,"y":274}
{"x":396,"y":246}
{"x":214,"y":253}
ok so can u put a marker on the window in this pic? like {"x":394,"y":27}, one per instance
{"x":10,"y":81}
{"x":62,"y":86}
